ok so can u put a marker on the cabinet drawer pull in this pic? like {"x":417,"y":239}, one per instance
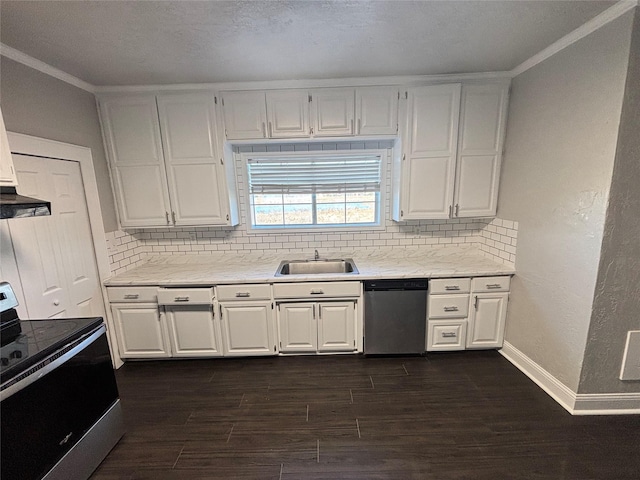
{"x":264,"y":130}
{"x":131,"y":296}
{"x":317,"y":292}
{"x":452,"y":287}
{"x":494,"y":285}
{"x":181,"y":299}
{"x":449,"y":334}
{"x":243,"y":294}
{"x":450,"y":309}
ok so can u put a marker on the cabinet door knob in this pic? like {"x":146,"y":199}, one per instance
{"x":56,"y":302}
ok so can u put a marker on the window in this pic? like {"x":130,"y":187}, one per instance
{"x":314,"y":189}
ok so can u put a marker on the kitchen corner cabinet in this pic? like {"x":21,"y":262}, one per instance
{"x":247,"y":318}
{"x":165,"y":163}
{"x":8,"y":177}
{"x":465,"y":313}
{"x":452,"y":138}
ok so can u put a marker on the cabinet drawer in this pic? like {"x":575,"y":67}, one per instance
{"x":244,"y":292}
{"x":449,"y":285}
{"x":132,"y":294}
{"x":448,"y":306}
{"x":446,"y":335}
{"x":490,"y":284}
{"x":185,"y":296}
{"x":316,"y":289}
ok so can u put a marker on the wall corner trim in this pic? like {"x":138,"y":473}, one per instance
{"x":610,"y":14}
{"x":574,"y":403}
{"x":23,"y":58}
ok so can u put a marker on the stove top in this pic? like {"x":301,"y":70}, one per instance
{"x":27,"y":342}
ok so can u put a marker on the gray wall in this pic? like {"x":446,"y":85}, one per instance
{"x":37,"y":104}
{"x":616,"y":306}
{"x":560,"y":146}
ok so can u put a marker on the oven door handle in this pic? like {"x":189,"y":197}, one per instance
{"x":50,"y":363}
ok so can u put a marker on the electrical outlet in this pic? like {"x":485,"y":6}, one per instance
{"x":192,"y":236}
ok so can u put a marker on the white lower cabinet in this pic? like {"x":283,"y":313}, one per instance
{"x":486,"y":320}
{"x":317,"y":326}
{"x":446,"y":335}
{"x":248,"y":328}
{"x":336,"y":327}
{"x":193,"y":331}
{"x":471,"y":318}
{"x":140,"y":330}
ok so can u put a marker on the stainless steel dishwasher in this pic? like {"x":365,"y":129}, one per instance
{"x":395,"y":316}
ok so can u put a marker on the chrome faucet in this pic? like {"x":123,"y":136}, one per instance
{"x":316,"y":255}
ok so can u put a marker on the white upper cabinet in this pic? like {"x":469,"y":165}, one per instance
{"x":132,"y":132}
{"x":245,"y":115}
{"x":452,"y":140}
{"x":482,"y":126}
{"x":8,"y":176}
{"x":194,"y":171}
{"x":429,"y":151}
{"x":288,"y":113}
{"x":332,"y":112}
{"x":376,"y":111}
{"x":166,"y":165}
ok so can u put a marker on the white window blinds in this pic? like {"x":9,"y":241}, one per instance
{"x":314,"y":173}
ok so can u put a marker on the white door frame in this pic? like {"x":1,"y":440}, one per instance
{"x":42,"y":147}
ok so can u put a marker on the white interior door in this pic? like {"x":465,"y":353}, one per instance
{"x":55,"y":254}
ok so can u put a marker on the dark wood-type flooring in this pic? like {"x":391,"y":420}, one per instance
{"x":468,"y":415}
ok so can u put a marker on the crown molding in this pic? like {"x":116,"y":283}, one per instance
{"x":579,"y":33}
{"x":29,"y":61}
{"x":406,"y":80}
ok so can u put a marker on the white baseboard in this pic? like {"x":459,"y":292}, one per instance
{"x":574,"y":403}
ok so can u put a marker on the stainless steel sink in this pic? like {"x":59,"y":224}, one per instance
{"x":313,"y":267}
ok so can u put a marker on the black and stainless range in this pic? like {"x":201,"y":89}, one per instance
{"x":59,"y":400}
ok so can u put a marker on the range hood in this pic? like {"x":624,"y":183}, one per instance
{"x":14,"y":205}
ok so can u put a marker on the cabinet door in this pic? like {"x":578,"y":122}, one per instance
{"x":482,"y":125}
{"x":132,"y":132}
{"x":376,"y":111}
{"x":336,"y":327}
{"x":332,"y":111}
{"x":193,"y":331}
{"x":298,"y":327}
{"x":245,"y":115}
{"x":288,"y":113}
{"x":248,"y":328}
{"x":140,"y":330}
{"x":486,"y":320}
{"x":194,"y":172}
{"x":430,"y":140}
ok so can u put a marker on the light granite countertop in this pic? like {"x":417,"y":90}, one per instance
{"x":232,"y":267}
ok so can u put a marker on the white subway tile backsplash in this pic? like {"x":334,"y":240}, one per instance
{"x":491,"y":236}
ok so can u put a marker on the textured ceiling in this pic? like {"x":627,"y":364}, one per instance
{"x":153,"y":42}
